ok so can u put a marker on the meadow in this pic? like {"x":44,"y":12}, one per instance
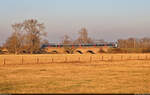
{"x":105,"y":73}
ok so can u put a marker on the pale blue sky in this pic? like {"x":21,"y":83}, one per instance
{"x":104,"y":19}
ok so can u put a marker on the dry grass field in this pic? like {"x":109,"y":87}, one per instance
{"x":71,"y":76}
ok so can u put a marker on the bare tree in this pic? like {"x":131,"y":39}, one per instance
{"x":120,"y":43}
{"x":134,"y":43}
{"x":83,"y":37}
{"x":13,"y":43}
{"x":34,"y":31}
{"x":66,"y":40}
{"x":145,"y":42}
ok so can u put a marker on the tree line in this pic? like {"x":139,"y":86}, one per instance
{"x":29,"y":35}
{"x":134,"y":43}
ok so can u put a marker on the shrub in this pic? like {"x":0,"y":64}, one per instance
{"x":101,"y":51}
{"x":147,"y":50}
{"x":117,"y":50}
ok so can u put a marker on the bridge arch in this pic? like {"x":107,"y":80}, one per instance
{"x":79,"y":52}
{"x":90,"y":51}
{"x":54,"y":52}
{"x":67,"y":51}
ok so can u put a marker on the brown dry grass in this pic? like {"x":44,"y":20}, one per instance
{"x":96,"y":77}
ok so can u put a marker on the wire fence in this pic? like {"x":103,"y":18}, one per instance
{"x":41,"y":59}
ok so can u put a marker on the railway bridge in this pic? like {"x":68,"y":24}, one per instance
{"x":77,"y":49}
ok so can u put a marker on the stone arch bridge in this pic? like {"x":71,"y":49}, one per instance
{"x":73,"y":49}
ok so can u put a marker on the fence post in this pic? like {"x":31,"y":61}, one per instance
{"x":65,"y":59}
{"x":22,"y":59}
{"x":121,"y":58}
{"x":4,"y":61}
{"x":102,"y":58}
{"x":37,"y":60}
{"x":90,"y":58}
{"x":138,"y":57}
{"x":129,"y":58}
{"x":146,"y":57}
{"x":79,"y":59}
{"x":52,"y":59}
{"x":111,"y":58}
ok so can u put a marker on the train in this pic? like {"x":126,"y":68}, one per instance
{"x":113,"y":45}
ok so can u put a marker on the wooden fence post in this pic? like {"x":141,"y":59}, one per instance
{"x":37,"y":60}
{"x":52,"y":59}
{"x":79,"y":59}
{"x":4,"y":61}
{"x":102,"y":58}
{"x":111,"y":58}
{"x":22,"y":59}
{"x":65,"y":59}
{"x":121,"y":58}
{"x":129,"y":58}
{"x":146,"y":57}
{"x":138,"y":57}
{"x":90,"y":58}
